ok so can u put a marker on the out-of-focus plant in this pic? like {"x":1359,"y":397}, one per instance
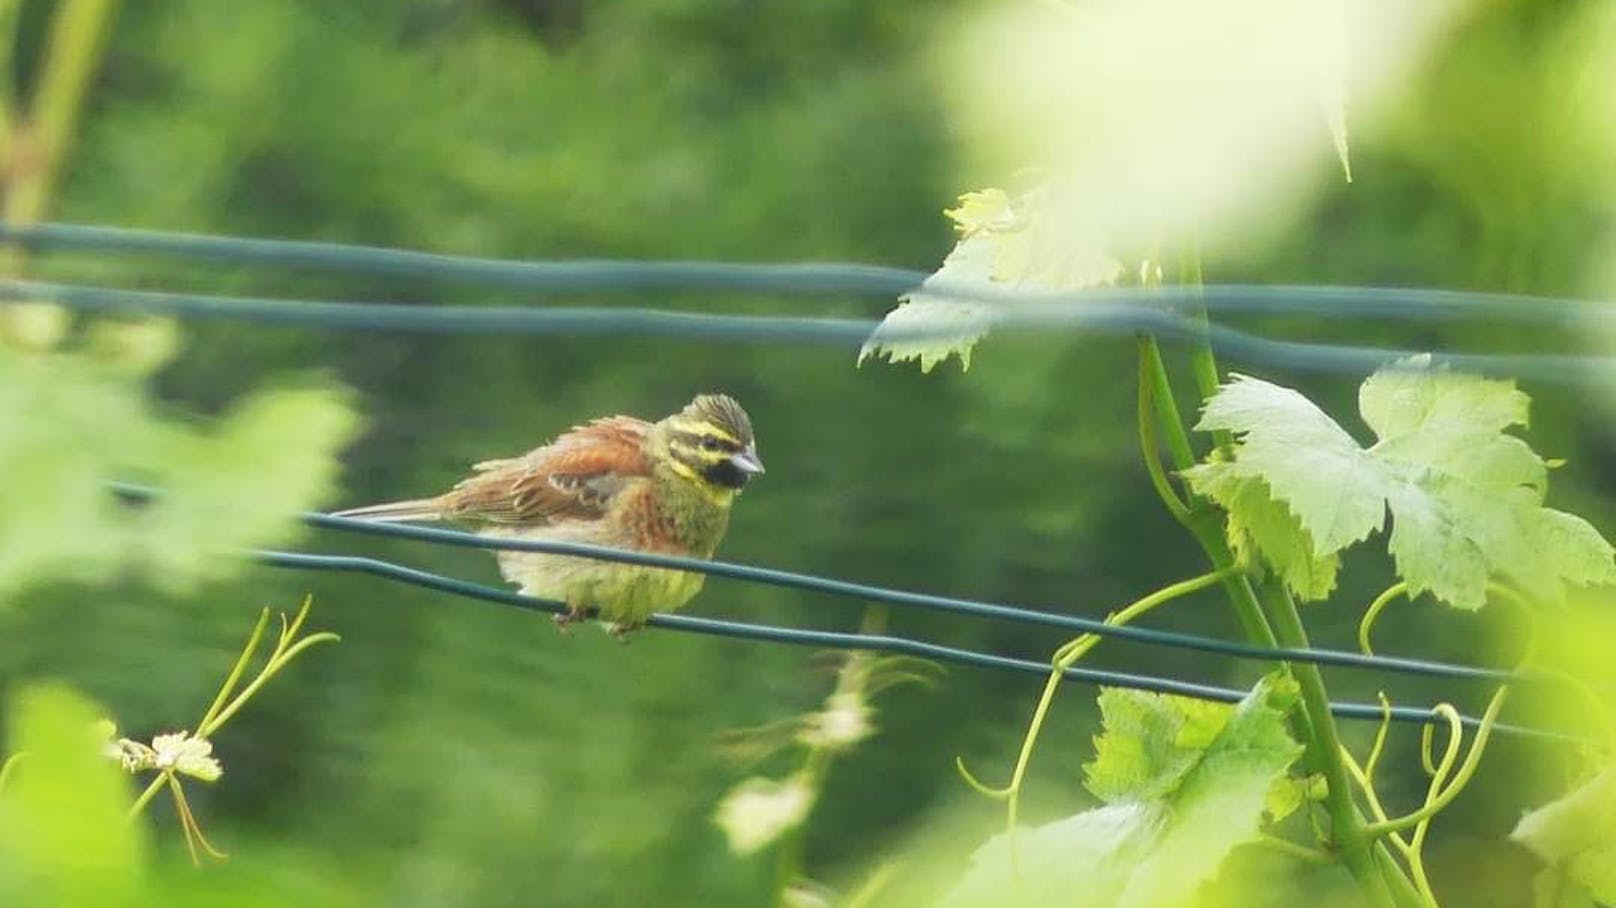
{"x":1281,"y":492}
{"x":189,"y":753}
{"x":1115,"y":105}
{"x":762,"y":811}
{"x":78,"y":419}
{"x":35,"y":138}
{"x":174,"y":756}
{"x":1160,"y":122}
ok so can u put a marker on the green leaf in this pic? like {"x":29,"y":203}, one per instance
{"x":1151,"y":741}
{"x":242,"y":484}
{"x":930,"y":327}
{"x":1004,"y":240}
{"x":1576,"y":837}
{"x":73,"y":422}
{"x":1466,"y":499}
{"x":1187,"y":782}
{"x":1262,"y":530}
{"x":63,"y":836}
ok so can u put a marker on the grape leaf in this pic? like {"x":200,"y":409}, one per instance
{"x":931,"y":327}
{"x":1186,"y":781}
{"x":1576,"y":837}
{"x":74,"y":421}
{"x":1259,"y":525}
{"x":1003,"y":240}
{"x":1465,"y":497}
{"x":238,"y":485}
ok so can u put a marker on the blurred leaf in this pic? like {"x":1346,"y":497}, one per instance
{"x":1263,"y":530}
{"x":136,"y":347}
{"x":1003,"y":240}
{"x":1187,"y":786}
{"x":242,"y":484}
{"x":72,"y":424}
{"x":63,"y":837}
{"x":930,"y":327}
{"x":1175,"y":121}
{"x":1576,"y":837}
{"x":758,"y":810}
{"x":1467,"y":498}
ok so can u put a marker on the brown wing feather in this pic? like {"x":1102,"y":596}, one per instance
{"x":573,"y":477}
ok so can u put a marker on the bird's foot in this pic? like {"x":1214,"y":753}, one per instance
{"x":619,"y":631}
{"x":573,"y":614}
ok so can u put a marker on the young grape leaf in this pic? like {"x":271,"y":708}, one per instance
{"x":1576,"y":837}
{"x":1465,"y":497}
{"x":1263,"y":530}
{"x":930,"y":327}
{"x":1003,"y":240}
{"x":1186,"y":782}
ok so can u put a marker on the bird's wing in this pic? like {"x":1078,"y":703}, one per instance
{"x":574,"y":477}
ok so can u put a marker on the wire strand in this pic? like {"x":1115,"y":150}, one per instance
{"x":1094,"y":316}
{"x":791,"y":278}
{"x":974,"y":608}
{"x":866,"y":592}
{"x":840,"y":640}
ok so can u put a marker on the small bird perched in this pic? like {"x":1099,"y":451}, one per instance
{"x":663,"y":487}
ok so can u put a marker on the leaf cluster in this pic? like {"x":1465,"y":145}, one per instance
{"x":1466,"y":498}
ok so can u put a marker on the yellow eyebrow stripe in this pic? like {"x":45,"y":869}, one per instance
{"x":701,"y":427}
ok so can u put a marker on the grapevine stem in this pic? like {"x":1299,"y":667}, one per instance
{"x":1149,"y":443}
{"x":1346,"y":825}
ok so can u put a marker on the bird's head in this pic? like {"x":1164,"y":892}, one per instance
{"x":710,"y":443}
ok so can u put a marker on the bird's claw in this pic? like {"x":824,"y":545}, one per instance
{"x":620,"y":632}
{"x":574,"y":613}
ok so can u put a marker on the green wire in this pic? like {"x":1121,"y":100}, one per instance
{"x":871,"y":642}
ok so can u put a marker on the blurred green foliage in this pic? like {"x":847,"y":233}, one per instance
{"x":455,"y":753}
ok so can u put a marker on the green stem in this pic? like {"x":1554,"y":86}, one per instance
{"x":1149,"y":443}
{"x":1154,"y":371}
{"x":9,"y":10}
{"x":1346,"y":825}
{"x":277,"y":662}
{"x":1203,"y":363}
{"x":1204,"y":524}
{"x":147,"y":795}
{"x":236,"y":671}
{"x":789,"y":861}
{"x":865,"y":895}
{"x":77,"y":33}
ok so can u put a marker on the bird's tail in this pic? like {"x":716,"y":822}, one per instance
{"x":397,"y":511}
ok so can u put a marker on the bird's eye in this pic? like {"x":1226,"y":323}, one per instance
{"x":710,"y":443}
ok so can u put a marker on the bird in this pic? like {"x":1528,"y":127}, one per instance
{"x":664,"y":487}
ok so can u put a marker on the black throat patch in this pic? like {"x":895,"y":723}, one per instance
{"x":726,"y":475}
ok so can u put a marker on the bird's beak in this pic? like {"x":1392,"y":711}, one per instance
{"x":747,"y":460}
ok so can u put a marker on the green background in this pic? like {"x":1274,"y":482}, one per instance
{"x":456,"y":753}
